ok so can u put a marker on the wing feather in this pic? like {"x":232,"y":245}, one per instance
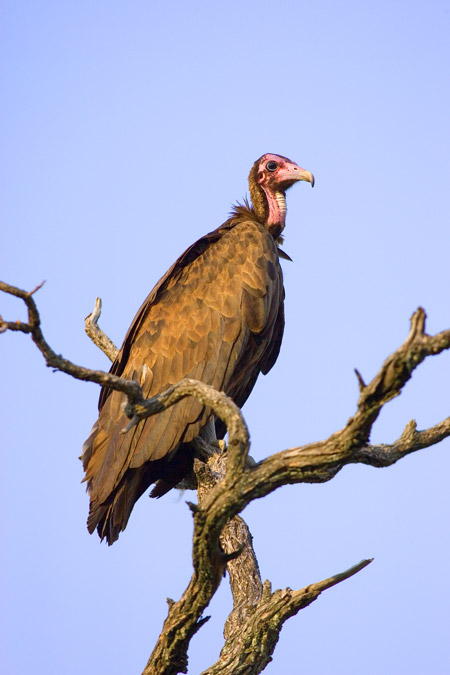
{"x":214,"y":316}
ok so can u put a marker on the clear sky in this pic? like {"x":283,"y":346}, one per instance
{"x":128,"y":129}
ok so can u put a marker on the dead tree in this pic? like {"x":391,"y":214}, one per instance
{"x":228,"y":480}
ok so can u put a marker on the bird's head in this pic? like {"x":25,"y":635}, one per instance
{"x":271,"y":175}
{"x":278,"y":173}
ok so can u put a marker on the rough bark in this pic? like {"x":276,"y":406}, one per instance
{"x":96,"y":334}
{"x":228,"y":480}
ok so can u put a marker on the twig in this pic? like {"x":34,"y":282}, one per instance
{"x":96,"y":334}
{"x":410,"y":441}
{"x":128,"y":387}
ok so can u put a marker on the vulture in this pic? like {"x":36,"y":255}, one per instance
{"x":217,"y":315}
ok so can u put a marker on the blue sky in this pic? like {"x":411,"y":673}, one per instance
{"x":128,"y":130}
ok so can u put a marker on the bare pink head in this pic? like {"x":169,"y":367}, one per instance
{"x":270,"y":177}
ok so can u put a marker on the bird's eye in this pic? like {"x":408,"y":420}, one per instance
{"x":271,"y":166}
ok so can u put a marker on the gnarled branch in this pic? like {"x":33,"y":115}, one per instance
{"x":96,"y":334}
{"x":252,"y":647}
{"x":137,"y":407}
{"x":226,"y":492}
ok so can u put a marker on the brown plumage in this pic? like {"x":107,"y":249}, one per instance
{"x":216,"y":316}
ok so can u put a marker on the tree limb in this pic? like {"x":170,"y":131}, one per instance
{"x":128,"y":387}
{"x":243,"y":482}
{"x":137,"y":407}
{"x":252,"y":647}
{"x":96,"y":334}
{"x":410,"y":441}
{"x":317,"y":462}
{"x":236,"y":543}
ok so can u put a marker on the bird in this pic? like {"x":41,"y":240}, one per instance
{"x":217,"y":316}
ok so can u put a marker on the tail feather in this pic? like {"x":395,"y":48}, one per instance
{"x":110,"y":517}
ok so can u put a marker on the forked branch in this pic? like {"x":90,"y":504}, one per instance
{"x":241,"y":482}
{"x":252,"y":647}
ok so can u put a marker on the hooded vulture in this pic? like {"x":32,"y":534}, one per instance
{"x":216,"y":316}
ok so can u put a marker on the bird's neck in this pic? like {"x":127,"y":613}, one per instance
{"x":276,"y":219}
{"x":270,"y":208}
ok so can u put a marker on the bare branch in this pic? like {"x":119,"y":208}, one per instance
{"x":185,"y":616}
{"x":128,"y":387}
{"x":137,"y":407}
{"x":36,"y":288}
{"x":395,"y":373}
{"x":319,"y":462}
{"x":236,"y":542}
{"x":410,"y":441}
{"x":221,"y":404}
{"x":18,"y":326}
{"x":361,"y":383}
{"x":231,"y":489}
{"x":96,"y":334}
{"x":252,"y":647}
{"x":32,"y":311}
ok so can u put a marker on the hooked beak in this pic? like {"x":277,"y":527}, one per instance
{"x":292,"y":173}
{"x":306,"y":175}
